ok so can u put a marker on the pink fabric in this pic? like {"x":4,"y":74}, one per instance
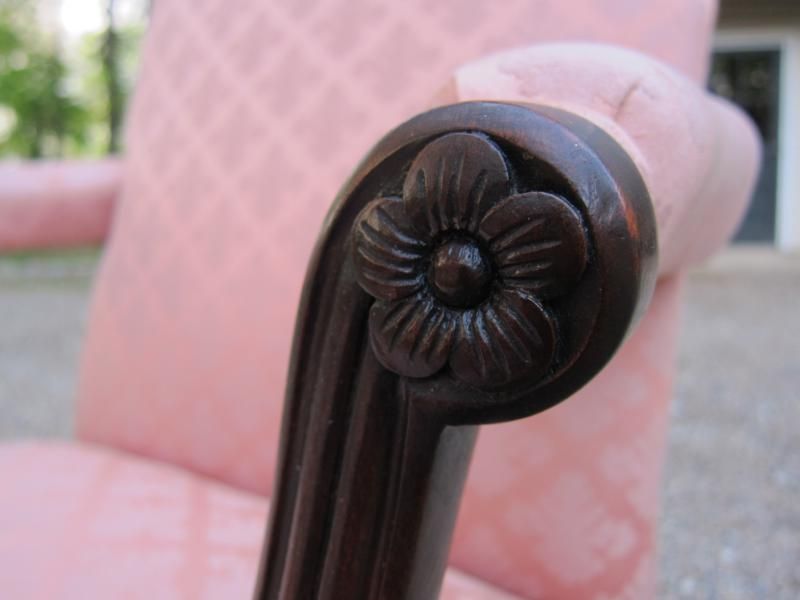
{"x":56,"y":204}
{"x":82,"y":522}
{"x":244,"y":124}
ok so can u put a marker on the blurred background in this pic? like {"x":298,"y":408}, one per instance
{"x":66,"y":70}
{"x":731,"y":526}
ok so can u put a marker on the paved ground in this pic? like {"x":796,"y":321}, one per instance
{"x":42,"y":307}
{"x":731,"y":527}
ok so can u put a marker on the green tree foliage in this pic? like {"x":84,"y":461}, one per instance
{"x":107,"y":73}
{"x":40,"y":119}
{"x":54,"y":102}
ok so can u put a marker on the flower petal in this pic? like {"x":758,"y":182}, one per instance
{"x":387,"y":256}
{"x":537,"y":241}
{"x":412,"y":337}
{"x":507,"y":339}
{"x":452,"y":183}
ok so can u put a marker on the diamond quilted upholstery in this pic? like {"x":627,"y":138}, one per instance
{"x":244,"y":124}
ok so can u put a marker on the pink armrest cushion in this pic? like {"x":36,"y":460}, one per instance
{"x":55,"y":204}
{"x":698,"y":154}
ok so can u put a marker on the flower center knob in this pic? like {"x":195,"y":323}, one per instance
{"x":460,"y":273}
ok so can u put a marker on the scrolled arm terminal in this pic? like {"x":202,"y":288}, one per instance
{"x":485,"y":261}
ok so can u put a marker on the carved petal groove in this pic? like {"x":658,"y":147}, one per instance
{"x":412,"y":337}
{"x":507,"y":339}
{"x":538,"y":242}
{"x":452,"y":183}
{"x":386,"y":253}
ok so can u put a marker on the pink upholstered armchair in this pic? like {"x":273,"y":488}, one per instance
{"x":244,"y":125}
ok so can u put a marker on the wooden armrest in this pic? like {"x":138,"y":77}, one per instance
{"x":483,"y":263}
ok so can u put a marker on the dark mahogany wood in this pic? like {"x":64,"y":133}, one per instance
{"x":484,"y":262}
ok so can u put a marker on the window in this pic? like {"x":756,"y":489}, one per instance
{"x":751,"y":79}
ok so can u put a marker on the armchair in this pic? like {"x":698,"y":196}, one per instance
{"x":243,"y":125}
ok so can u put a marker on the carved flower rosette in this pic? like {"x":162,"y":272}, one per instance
{"x":463,"y":267}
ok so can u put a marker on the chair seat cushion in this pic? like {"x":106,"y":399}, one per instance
{"x":85,"y":522}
